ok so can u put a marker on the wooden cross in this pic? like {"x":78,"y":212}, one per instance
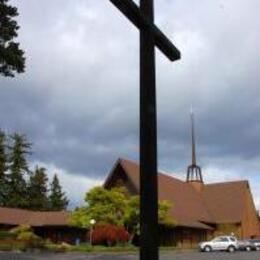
{"x":150,"y":36}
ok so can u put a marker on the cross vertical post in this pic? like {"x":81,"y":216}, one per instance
{"x":150,"y":37}
{"x":148,"y":139}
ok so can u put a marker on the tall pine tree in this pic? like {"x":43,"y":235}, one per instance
{"x":38,"y":190}
{"x":57,"y":198}
{"x":20,"y":148}
{"x":3,"y":169}
{"x":11,"y":56}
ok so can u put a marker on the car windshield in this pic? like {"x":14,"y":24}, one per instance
{"x":218,"y":239}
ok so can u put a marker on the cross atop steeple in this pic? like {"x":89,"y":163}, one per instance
{"x":193,"y":171}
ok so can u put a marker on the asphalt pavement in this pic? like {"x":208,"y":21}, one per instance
{"x":163,"y":256}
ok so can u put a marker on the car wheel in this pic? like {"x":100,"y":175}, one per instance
{"x":207,"y":249}
{"x":231,"y":249}
{"x":248,"y":248}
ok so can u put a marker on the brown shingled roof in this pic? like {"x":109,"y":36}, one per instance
{"x":217,"y":203}
{"x":224,"y":201}
{"x":11,"y":216}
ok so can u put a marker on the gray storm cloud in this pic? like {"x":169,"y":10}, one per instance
{"x":78,"y":100}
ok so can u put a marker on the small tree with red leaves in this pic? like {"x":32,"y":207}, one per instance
{"x":109,"y":235}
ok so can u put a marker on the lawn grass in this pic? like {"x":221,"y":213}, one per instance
{"x":84,"y":248}
{"x":12,"y":246}
{"x":104,"y":249}
{"x":119,"y":249}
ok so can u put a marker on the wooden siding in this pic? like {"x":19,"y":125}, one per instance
{"x":62,"y":234}
{"x":250,"y":223}
{"x":181,"y":237}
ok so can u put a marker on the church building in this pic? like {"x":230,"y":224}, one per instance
{"x":200,"y":210}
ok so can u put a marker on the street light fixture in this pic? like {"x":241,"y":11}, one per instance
{"x":92,"y":222}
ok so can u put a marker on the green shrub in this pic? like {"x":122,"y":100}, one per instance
{"x":12,"y":245}
{"x":27,"y":236}
{"x":63,"y":247}
{"x":7,"y":235}
{"x":6,"y":247}
{"x":30,"y":240}
{"x":21,"y":229}
{"x":48,"y":241}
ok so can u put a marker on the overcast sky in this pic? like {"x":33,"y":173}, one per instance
{"x":78,"y":101}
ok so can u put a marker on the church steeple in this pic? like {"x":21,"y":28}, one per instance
{"x":193,"y":171}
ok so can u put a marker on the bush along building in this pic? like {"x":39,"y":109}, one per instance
{"x":53,"y":225}
{"x":201,"y":210}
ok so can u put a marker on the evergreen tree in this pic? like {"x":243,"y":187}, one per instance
{"x":3,"y":169}
{"x":37,"y":190}
{"x":57,"y":198}
{"x":17,"y":196}
{"x":11,"y":56}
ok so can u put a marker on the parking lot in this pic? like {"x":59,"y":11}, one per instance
{"x":164,"y":256}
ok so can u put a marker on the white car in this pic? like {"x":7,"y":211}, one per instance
{"x":222,"y":243}
{"x":256,"y":243}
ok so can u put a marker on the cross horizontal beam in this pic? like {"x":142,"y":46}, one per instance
{"x":131,"y":10}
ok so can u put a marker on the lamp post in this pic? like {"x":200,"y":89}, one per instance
{"x":92,"y":222}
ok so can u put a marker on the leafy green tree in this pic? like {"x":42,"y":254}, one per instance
{"x":11,"y":56}
{"x":3,"y":169}
{"x":57,"y":198}
{"x":18,"y":166}
{"x":132,"y":214}
{"x":38,"y":190}
{"x":115,"y":207}
{"x":105,"y":206}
